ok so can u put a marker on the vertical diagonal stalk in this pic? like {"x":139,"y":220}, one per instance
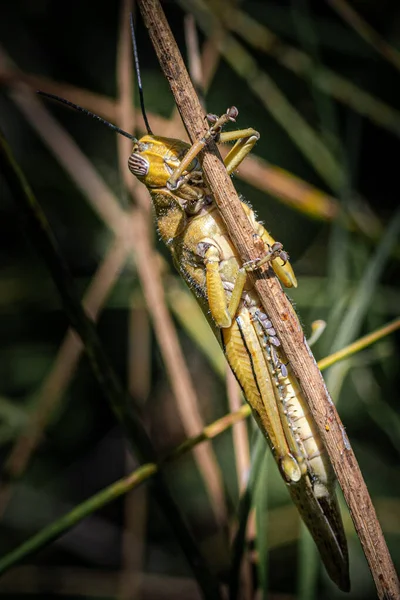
{"x":279,"y":309}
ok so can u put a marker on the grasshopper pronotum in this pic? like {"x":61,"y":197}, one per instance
{"x":189,"y":223}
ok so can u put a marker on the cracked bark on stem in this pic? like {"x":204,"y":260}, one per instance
{"x":279,"y":309}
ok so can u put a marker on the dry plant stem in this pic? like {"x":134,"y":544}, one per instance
{"x":193,"y":54}
{"x":280,"y":311}
{"x":240,"y":437}
{"x":241,"y":448}
{"x":138,"y":367}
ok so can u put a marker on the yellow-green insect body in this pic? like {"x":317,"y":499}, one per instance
{"x":189,"y":223}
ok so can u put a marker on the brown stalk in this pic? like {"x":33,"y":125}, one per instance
{"x":193,"y":54}
{"x":368,"y":33}
{"x":240,"y":436}
{"x":138,"y":367}
{"x":279,"y":309}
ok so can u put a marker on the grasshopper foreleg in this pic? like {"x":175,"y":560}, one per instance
{"x":245,"y":140}
{"x":213,"y":133}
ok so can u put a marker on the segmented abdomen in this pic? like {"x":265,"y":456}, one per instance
{"x":257,"y":359}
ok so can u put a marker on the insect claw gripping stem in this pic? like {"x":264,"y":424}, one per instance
{"x":218,"y":123}
{"x":275,"y":251}
{"x":213,"y":132}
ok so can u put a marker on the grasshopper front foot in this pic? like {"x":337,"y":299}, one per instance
{"x":275,"y":251}
{"x":217,"y":123}
{"x":177,"y":179}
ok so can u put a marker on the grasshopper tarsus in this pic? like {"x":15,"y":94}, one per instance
{"x":217,"y":123}
{"x":275,"y":251}
{"x":211,"y":118}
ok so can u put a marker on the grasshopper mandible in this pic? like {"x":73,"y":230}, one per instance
{"x":190,"y":225}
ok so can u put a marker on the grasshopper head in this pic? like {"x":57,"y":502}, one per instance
{"x":154,"y":159}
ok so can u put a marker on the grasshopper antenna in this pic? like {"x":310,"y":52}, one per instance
{"x":87,"y":112}
{"x":139,"y":79}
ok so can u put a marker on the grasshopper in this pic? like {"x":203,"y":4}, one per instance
{"x":190,"y":225}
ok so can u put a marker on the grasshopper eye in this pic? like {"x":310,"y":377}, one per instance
{"x":138,"y":165}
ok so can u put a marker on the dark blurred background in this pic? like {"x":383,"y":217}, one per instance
{"x":59,"y":441}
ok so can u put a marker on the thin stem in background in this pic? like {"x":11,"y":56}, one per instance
{"x":359,"y":344}
{"x":193,"y":56}
{"x":367,"y":32}
{"x":241,"y":448}
{"x":240,"y":436}
{"x":134,"y":529}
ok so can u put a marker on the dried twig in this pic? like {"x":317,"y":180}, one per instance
{"x":138,"y":362}
{"x":280,"y":311}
